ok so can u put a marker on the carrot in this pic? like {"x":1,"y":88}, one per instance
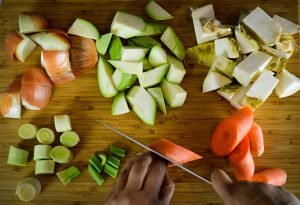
{"x":274,"y":176}
{"x":174,"y":151}
{"x":231,"y":131}
{"x":241,"y":161}
{"x":256,"y":140}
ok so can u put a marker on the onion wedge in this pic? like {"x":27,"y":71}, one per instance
{"x":12,"y":40}
{"x":36,"y":89}
{"x":31,"y":22}
{"x":10,"y":100}
{"x":83,"y":54}
{"x":57,"y":66}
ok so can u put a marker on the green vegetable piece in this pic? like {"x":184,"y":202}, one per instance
{"x":27,"y":131}
{"x":122,"y":81}
{"x":67,"y":175}
{"x":117,"y":151}
{"x":156,"y":93}
{"x":115,"y":48}
{"x":146,"y":65}
{"x":171,"y":40}
{"x":28,"y":188}
{"x":44,"y":167}
{"x":203,"y":54}
{"x":61,"y":154}
{"x":110,"y":170}
{"x":41,"y":152}
{"x":95,"y":175}
{"x":17,"y":156}
{"x":153,"y":29}
{"x":153,"y":76}
{"x":94,"y":160}
{"x":84,"y":28}
{"x":145,"y":41}
{"x":114,"y":161}
{"x":69,"y":139}
{"x":102,"y":43}
{"x":156,"y":12}
{"x":45,"y":136}
{"x":103,"y":158}
{"x":120,"y":105}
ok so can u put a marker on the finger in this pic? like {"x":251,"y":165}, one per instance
{"x":155,"y":177}
{"x":122,"y":179}
{"x":221,"y":183}
{"x":167,"y":190}
{"x":138,"y":171}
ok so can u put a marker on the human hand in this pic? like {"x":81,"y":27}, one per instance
{"x":249,"y":193}
{"x":143,"y":181}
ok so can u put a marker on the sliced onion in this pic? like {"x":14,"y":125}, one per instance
{"x":36,"y":89}
{"x":83,"y":54}
{"x":57,"y":66}
{"x":10,"y":101}
{"x":36,"y":76}
{"x":35,"y":97}
{"x":12,"y":40}
{"x":30,"y":22}
{"x":57,"y":31}
{"x":10,"y":105}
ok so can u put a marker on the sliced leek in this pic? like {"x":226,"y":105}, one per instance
{"x":45,"y":136}
{"x":28,"y":189}
{"x":27,"y":131}
{"x":69,"y":139}
{"x":67,"y":175}
{"x":41,"y":152}
{"x":61,"y":154}
{"x":44,"y":167}
{"x":17,"y":156}
{"x":62,"y":123}
{"x":117,"y":151}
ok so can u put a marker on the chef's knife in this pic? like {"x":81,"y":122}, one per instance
{"x":155,"y":152}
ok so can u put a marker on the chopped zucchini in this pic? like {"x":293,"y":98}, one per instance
{"x":173,"y":94}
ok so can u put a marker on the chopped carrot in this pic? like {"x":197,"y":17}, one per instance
{"x":256,"y":140}
{"x":241,"y":161}
{"x":274,"y":176}
{"x":173,"y":151}
{"x":231,"y":131}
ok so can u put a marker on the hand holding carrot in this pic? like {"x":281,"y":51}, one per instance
{"x":249,"y":193}
{"x":143,"y":181}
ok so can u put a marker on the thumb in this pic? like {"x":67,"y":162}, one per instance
{"x":221,"y":183}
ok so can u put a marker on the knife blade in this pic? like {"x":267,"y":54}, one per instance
{"x":153,"y":151}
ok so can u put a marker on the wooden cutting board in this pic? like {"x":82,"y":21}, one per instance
{"x":190,"y":126}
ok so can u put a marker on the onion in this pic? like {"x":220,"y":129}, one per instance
{"x":83,"y":54}
{"x":10,"y":101}
{"x":12,"y":40}
{"x":36,"y":89}
{"x":31,"y":22}
{"x":57,"y":66}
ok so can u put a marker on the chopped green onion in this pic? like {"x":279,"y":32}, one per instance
{"x":61,"y":154}
{"x":110,"y":170}
{"x":62,"y":123}
{"x":117,"y":151}
{"x":17,"y":156}
{"x":28,"y":189}
{"x":67,"y":175}
{"x":27,"y":131}
{"x":41,"y":152}
{"x":114,"y":161}
{"x":45,"y":136}
{"x":69,"y":139}
{"x":103,"y":158}
{"x":95,"y":175}
{"x":44,"y":167}
{"x":94,"y":160}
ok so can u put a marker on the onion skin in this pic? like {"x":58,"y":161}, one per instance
{"x":12,"y":40}
{"x":36,"y":89}
{"x":57,"y":65}
{"x":83,"y":54}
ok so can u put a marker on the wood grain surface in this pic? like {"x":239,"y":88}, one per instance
{"x":190,"y":126}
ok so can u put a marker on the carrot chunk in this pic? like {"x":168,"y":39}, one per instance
{"x":231,"y":131}
{"x":256,"y":140}
{"x":274,"y":176}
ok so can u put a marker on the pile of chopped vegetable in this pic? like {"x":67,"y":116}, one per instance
{"x":243,"y":61}
{"x":107,"y":163}
{"x":241,"y":139}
